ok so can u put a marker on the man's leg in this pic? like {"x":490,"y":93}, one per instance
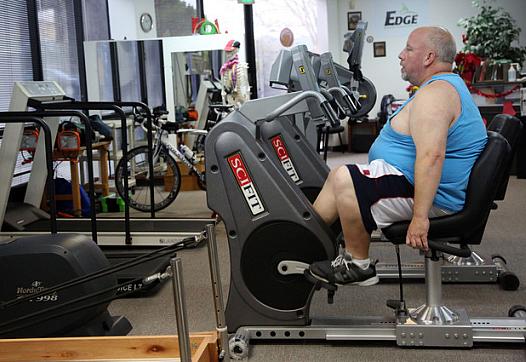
{"x":338,"y":198}
{"x":325,"y":204}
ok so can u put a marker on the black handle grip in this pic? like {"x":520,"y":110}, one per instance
{"x":352,"y":106}
{"x":355,"y":100}
{"x":463,"y":251}
{"x":331,"y":115}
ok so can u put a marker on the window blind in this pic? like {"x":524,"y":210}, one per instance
{"x":58,"y":44}
{"x":15,"y":62}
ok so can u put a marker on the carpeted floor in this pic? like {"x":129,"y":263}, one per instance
{"x":505,"y":234}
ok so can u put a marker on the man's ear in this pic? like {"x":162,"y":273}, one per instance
{"x":429,"y":58}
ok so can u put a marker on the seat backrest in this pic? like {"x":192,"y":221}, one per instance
{"x":467,"y":226}
{"x":510,"y":128}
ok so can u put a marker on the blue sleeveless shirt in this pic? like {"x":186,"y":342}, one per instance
{"x":466,"y":139}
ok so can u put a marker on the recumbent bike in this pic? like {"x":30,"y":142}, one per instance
{"x":273,"y":232}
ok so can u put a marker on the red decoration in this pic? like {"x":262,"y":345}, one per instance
{"x":507,"y":108}
{"x":497,"y":95}
{"x":467,"y":63}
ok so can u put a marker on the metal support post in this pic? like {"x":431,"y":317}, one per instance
{"x":218,"y":292}
{"x":433,"y":278}
{"x":180,"y":310}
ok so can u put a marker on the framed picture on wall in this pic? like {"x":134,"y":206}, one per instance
{"x":353,"y":17}
{"x":379,"y":49}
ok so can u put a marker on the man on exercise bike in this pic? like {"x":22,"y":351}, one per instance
{"x":419,"y":165}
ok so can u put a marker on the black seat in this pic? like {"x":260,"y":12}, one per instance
{"x":466,"y":226}
{"x":510,"y":128}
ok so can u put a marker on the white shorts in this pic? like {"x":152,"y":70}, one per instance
{"x":384,"y":195}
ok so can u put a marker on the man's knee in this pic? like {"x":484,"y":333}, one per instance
{"x":341,"y":180}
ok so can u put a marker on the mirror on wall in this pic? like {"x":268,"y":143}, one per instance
{"x":113,"y":71}
{"x":177,"y":71}
{"x":194,"y":72}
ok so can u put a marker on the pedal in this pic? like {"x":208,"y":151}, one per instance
{"x":318,"y":284}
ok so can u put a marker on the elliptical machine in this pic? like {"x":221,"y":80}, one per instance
{"x":32,"y":265}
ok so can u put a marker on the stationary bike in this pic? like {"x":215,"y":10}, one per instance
{"x":274,"y":234}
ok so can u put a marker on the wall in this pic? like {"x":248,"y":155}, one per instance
{"x":385,"y":71}
{"x":141,"y":7}
{"x":124,"y":19}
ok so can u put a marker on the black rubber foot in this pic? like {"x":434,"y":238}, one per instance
{"x":508,"y":281}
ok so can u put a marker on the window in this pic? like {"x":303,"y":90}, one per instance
{"x":15,"y":48}
{"x":229,"y":14}
{"x":104,"y":70}
{"x":58,"y":44}
{"x":128,"y":59}
{"x":95,"y":19}
{"x":174,"y":17}
{"x":154,"y":73}
{"x":15,"y":62}
{"x":306,"y":18}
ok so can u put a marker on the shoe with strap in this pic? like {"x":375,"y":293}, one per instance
{"x":342,"y":271}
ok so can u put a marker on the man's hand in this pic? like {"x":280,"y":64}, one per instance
{"x":417,"y":233}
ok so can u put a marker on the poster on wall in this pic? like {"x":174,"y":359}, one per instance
{"x":353,"y":17}
{"x":379,"y":49}
{"x":396,"y":18}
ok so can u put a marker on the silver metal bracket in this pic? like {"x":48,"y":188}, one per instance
{"x":458,"y":334}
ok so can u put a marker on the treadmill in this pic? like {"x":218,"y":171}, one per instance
{"x":119,"y":238}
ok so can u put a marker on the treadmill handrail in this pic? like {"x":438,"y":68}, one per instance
{"x":8,"y":117}
{"x":73,"y":106}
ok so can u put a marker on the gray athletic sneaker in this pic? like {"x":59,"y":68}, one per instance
{"x":342,"y":271}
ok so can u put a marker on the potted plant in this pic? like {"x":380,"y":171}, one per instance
{"x":490,"y":35}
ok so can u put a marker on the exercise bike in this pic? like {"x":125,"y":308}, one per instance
{"x":274,"y":234}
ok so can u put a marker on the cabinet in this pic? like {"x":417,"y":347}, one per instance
{"x":495,"y":94}
{"x":361,"y":135}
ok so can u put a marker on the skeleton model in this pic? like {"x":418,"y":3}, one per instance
{"x":234,"y":78}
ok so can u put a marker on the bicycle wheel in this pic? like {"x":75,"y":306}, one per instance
{"x":167,"y":179}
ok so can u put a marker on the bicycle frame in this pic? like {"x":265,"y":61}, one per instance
{"x":161,"y":141}
{"x":174,"y":150}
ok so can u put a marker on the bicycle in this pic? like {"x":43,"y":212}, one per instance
{"x":166,"y":174}
{"x":216,"y":112}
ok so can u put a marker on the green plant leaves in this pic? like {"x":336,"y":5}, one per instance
{"x":490,"y":35}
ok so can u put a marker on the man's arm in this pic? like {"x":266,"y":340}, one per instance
{"x":433,"y":111}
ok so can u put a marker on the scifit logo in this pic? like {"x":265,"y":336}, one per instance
{"x":245,"y":184}
{"x":283,"y":155}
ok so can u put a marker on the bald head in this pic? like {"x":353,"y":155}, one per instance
{"x":440,"y":41}
{"x":429,"y":50}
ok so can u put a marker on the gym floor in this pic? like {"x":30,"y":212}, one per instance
{"x":505,"y":234}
